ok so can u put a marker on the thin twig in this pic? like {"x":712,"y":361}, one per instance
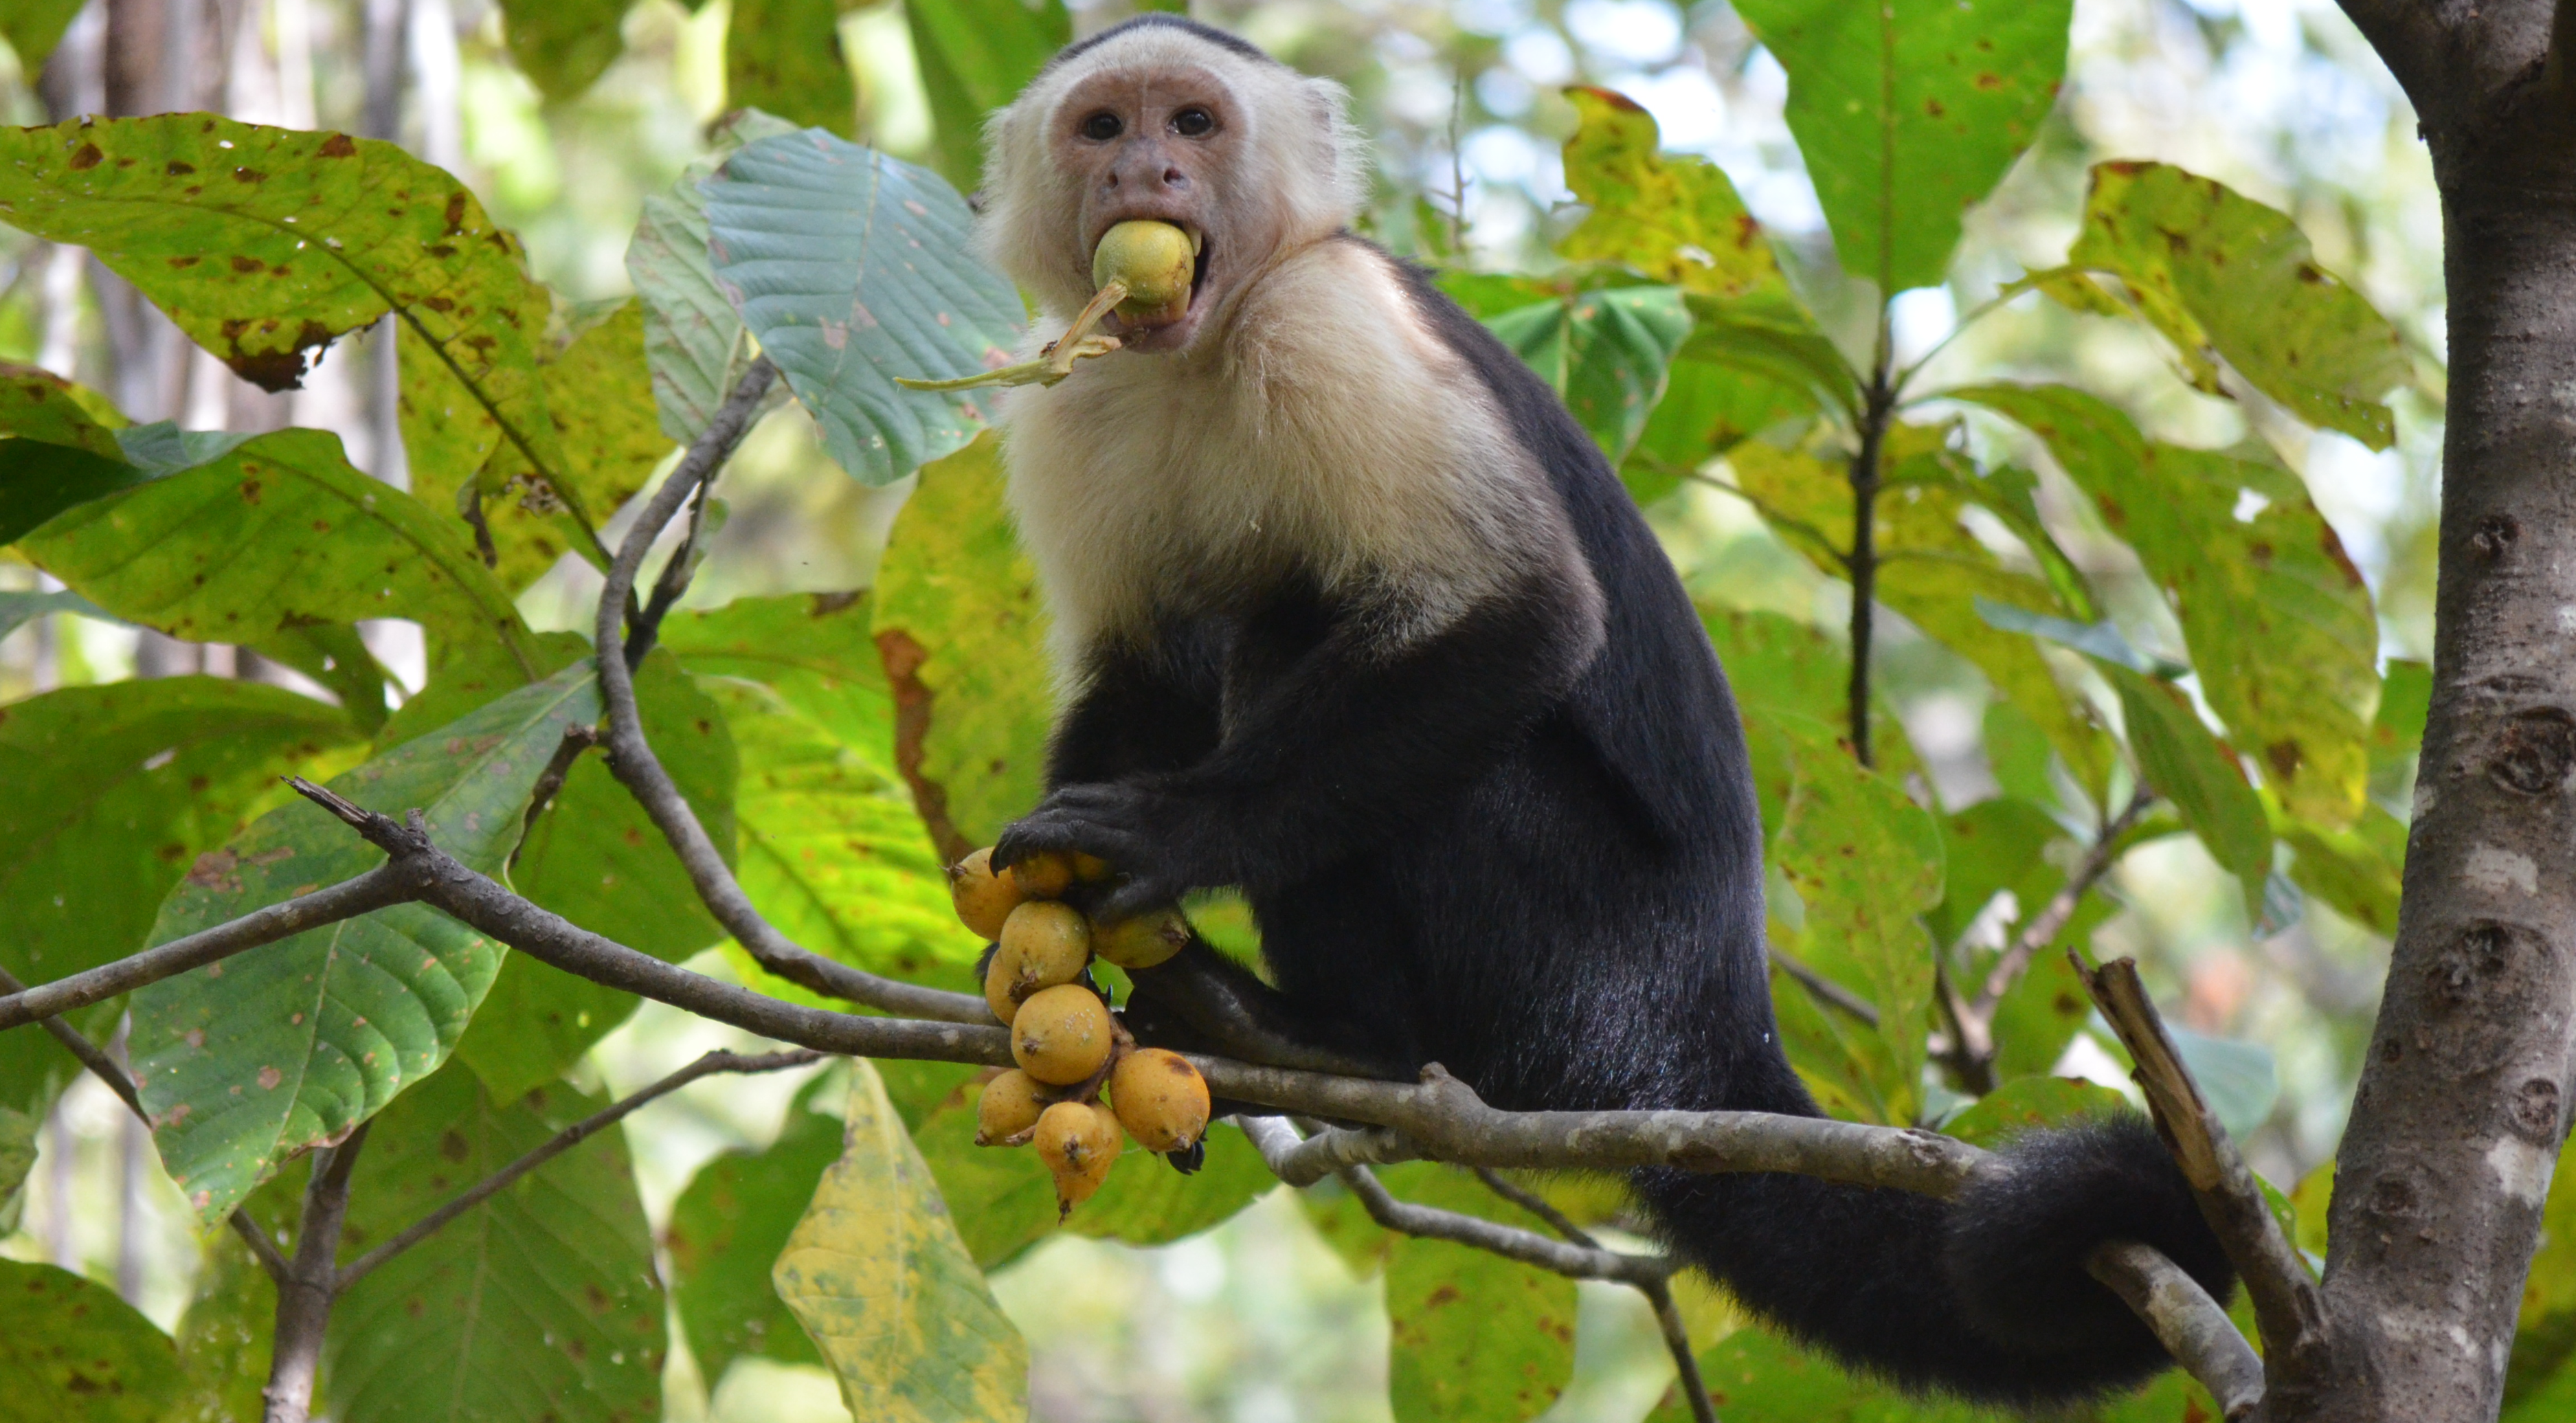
{"x":1536,"y":1205}
{"x":1831,"y":994}
{"x":306,"y":1293}
{"x":106,"y":1069}
{"x":348,"y":899}
{"x":1878,"y":409}
{"x":550,"y":781}
{"x":631,"y":758}
{"x":2186,"y":1320}
{"x":560,"y":1143}
{"x":2289,"y":1310}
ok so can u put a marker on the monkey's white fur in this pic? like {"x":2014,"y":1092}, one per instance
{"x":1314,"y":422}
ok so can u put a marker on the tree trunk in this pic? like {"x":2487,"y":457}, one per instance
{"x":2463,"y":1102}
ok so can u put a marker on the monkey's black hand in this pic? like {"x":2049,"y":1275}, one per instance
{"x":1141,"y":832}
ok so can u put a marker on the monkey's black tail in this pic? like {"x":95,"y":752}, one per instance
{"x":1984,"y":1297}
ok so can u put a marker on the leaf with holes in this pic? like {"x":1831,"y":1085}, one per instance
{"x":2221,"y":274}
{"x":539,"y":1303}
{"x":852,"y":268}
{"x":267,"y":244}
{"x":2279,"y":621}
{"x":248,"y":1061}
{"x":878,"y":1276}
{"x":964,"y":635}
{"x":1672,"y":216}
{"x":1908,"y":112}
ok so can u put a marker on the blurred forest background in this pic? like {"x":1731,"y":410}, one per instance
{"x":1260,"y":1320}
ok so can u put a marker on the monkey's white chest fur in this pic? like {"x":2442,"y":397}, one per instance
{"x":1322,"y":431}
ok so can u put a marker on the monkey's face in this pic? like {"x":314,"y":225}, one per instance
{"x":1165,"y":144}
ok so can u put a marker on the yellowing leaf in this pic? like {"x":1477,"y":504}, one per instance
{"x":877,"y":1275}
{"x":1674,"y":217}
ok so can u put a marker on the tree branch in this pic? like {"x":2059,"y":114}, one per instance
{"x":632,"y":760}
{"x":377,"y":888}
{"x":557,"y":1145}
{"x":306,"y":1293}
{"x":1831,"y":994}
{"x":1974,"y":1021}
{"x":2289,"y":1310}
{"x":1878,"y":407}
{"x":2186,"y":1320}
{"x":2410,"y":39}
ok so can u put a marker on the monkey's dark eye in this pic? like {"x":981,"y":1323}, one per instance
{"x":1100,"y":128}
{"x":1193,"y":122}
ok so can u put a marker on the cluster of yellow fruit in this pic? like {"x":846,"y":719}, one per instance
{"x":1062,"y":1035}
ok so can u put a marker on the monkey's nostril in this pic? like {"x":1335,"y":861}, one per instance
{"x":1175,"y":178}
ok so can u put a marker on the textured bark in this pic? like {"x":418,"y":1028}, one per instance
{"x":2463,"y":1101}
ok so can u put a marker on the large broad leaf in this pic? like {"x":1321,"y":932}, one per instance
{"x":1908,"y":112}
{"x":1791,"y":680}
{"x":1475,"y":1337}
{"x":599,"y":398}
{"x":273,"y":541}
{"x":1758,"y":1376}
{"x":2359,"y":870}
{"x":229,"y":1332}
{"x":2186,"y":764}
{"x":2018,"y":1106}
{"x":853,"y":268}
{"x":1674,"y":217}
{"x":880,"y":1280}
{"x":693,"y":340}
{"x":784,"y":57}
{"x":563,"y":45}
{"x":2278,"y":619}
{"x":1995,"y":847}
{"x":69,"y":1348}
{"x":728,"y":1228}
{"x":107,"y":794}
{"x":2222,"y":275}
{"x":964,"y":636}
{"x":539,"y":1303}
{"x":229,"y":227}
{"x":1866,"y":862}
{"x":976,"y":56}
{"x":1606,"y":350}
{"x":248,"y":1061}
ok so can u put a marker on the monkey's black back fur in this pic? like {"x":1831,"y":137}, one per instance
{"x":1557,"y":894}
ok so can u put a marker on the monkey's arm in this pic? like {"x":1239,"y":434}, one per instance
{"x":1343,"y":748}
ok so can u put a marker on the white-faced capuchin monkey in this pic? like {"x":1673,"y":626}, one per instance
{"x":1355,"y":618}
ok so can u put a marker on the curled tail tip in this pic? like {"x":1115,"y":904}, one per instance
{"x":2019,"y":1237}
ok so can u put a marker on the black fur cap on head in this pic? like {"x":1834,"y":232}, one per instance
{"x":1230,"y":43}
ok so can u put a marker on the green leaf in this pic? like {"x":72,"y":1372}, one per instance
{"x":248,"y":1061}
{"x":1707,"y":410}
{"x":975,"y":56}
{"x":2189,"y":766}
{"x":540,"y":1302}
{"x":876,"y":1272}
{"x":563,"y":45}
{"x":1993,"y":846}
{"x":599,"y":399}
{"x":853,"y":268}
{"x":964,"y":636}
{"x":268,"y":543}
{"x":70,"y":1348}
{"x":728,"y":1228}
{"x":813,"y":649}
{"x":2047,"y":1005}
{"x":784,"y":56}
{"x":2359,"y":870}
{"x":2278,"y":619}
{"x":2397,"y":732}
{"x":2028,"y":1102}
{"x":1767,"y":335}
{"x":2222,"y":275}
{"x":17,"y":1157}
{"x":33,"y":28}
{"x":1605,"y":350}
{"x":1866,"y":861}
{"x":2240,"y":1079}
{"x":227,"y":1336}
{"x":107,"y":793}
{"x":1791,"y":680}
{"x":1673,"y":217}
{"x":1908,"y":112}
{"x":1759,"y":1378}
{"x":39,"y":480}
{"x":227,"y":225}
{"x":1474,"y":1336}
{"x":693,"y":341}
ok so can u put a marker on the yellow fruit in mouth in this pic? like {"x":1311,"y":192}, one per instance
{"x":1061,"y":1035}
{"x":1161,"y":1099}
{"x":1156,"y":261}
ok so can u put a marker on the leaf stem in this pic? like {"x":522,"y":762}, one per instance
{"x":1878,"y":408}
